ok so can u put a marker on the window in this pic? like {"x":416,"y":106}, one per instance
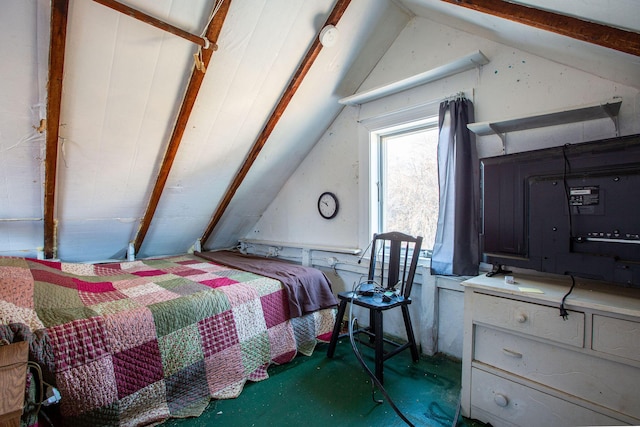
{"x":404,"y":180}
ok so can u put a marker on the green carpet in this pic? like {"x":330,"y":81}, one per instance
{"x":317,"y":391}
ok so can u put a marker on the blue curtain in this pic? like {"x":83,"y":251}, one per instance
{"x":455,"y":251}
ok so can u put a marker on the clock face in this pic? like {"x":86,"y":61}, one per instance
{"x":328,"y":205}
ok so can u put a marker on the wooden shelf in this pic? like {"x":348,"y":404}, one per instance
{"x":581,"y":113}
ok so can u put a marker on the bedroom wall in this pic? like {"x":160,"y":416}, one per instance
{"x":25,"y":27}
{"x":514,"y":83}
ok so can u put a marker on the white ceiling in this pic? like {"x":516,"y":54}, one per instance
{"x":600,"y":61}
{"x":123,"y":82}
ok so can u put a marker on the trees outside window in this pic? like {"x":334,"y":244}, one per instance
{"x":407,"y":180}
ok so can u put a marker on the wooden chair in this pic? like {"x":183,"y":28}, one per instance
{"x":394,"y":258}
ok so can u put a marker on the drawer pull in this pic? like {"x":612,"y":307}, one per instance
{"x":501,"y":400}
{"x":521,"y":318}
{"x":512,"y":353}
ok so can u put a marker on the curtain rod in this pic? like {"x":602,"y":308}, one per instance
{"x":415,"y":112}
{"x":455,"y":96}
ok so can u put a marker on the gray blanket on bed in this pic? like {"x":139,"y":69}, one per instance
{"x":308,"y":288}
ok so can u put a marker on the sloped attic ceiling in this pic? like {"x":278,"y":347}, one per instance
{"x":614,"y":63}
{"x":124,"y":81}
{"x":122,"y":87}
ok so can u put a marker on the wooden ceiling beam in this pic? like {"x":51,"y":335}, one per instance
{"x":148,"y":19}
{"x":58,"y":37}
{"x":294,"y":84}
{"x":579,"y":29}
{"x":195,"y":82}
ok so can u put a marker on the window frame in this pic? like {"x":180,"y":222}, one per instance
{"x":371,"y":118}
{"x":377,"y":165}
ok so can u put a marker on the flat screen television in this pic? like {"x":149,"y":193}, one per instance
{"x":570,"y":210}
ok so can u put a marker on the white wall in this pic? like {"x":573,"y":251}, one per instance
{"x":514,"y":83}
{"x":24,"y":55}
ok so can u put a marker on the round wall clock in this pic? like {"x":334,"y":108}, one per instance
{"x":328,"y":205}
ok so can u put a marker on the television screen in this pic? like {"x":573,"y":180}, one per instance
{"x":567,"y":210}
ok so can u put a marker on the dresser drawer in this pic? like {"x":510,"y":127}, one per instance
{"x":503,"y":402}
{"x":600,"y":381}
{"x":616,"y":336}
{"x":539,"y":320}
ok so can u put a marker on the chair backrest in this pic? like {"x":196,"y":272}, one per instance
{"x":391,"y":252}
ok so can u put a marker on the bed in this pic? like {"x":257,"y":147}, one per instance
{"x":135,"y":343}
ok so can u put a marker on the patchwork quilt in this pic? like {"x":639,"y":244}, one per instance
{"x":135,"y":343}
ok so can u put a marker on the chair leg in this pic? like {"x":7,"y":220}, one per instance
{"x":412,"y":340}
{"x":372,"y":325}
{"x":336,"y":328}
{"x":379,"y":344}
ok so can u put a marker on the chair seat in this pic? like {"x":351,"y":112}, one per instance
{"x":374,"y":303}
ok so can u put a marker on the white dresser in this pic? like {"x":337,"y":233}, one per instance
{"x":524,"y":365}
